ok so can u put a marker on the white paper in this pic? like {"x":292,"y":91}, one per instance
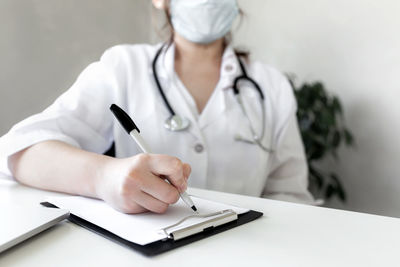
{"x":143,"y":228}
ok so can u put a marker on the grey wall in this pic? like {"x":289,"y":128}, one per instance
{"x":45,"y":44}
{"x":353,"y":46}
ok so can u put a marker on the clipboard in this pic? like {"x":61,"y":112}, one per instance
{"x":177,"y":237}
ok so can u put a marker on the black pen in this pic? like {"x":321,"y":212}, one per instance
{"x":131,"y":128}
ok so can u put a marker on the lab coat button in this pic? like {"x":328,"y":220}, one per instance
{"x":228,"y":68}
{"x":199,"y":148}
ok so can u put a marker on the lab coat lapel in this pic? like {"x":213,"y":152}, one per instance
{"x":221,"y":97}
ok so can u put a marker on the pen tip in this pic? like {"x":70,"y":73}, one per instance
{"x":194,"y":208}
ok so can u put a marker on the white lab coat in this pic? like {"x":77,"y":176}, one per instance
{"x":81,"y":117}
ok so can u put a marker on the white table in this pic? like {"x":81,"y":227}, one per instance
{"x":287,"y":235}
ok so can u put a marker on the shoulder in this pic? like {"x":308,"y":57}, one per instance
{"x":268,"y":75}
{"x":280,"y":99}
{"x":273,"y":82}
{"x":129,"y":54}
{"x":124,"y":61}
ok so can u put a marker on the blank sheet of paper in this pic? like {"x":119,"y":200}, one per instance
{"x":142,"y":228}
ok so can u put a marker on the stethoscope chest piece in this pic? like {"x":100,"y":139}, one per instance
{"x":176,"y":123}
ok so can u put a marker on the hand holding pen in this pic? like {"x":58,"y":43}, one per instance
{"x":168,"y":167}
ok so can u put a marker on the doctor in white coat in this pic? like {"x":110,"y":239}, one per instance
{"x":253,"y":149}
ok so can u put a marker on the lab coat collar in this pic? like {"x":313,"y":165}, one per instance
{"x":229,"y":66}
{"x":165,"y":64}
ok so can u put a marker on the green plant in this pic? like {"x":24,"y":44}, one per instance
{"x":322,"y":127}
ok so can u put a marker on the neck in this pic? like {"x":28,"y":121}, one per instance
{"x":187,"y":52}
{"x":198,"y":67}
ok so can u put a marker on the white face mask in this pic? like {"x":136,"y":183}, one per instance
{"x":203,"y":21}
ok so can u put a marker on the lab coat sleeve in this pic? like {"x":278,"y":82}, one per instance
{"x":79,"y":117}
{"x":288,"y":176}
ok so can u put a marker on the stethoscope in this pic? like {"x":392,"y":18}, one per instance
{"x":176,"y":123}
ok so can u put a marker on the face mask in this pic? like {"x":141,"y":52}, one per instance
{"x":203,"y":21}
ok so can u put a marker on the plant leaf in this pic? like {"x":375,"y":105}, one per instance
{"x":329,"y":192}
{"x":336,"y":139}
{"x":337,"y":105}
{"x":322,"y":128}
{"x":319,"y":177}
{"x":348,"y":137}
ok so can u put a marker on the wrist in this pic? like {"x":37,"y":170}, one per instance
{"x":104,"y":172}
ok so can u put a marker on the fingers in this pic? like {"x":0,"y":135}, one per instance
{"x":150,"y":203}
{"x":171,"y":168}
{"x":132,"y":208}
{"x":160,"y":189}
{"x":143,"y":186}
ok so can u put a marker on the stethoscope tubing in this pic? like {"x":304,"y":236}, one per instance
{"x":155,"y":75}
{"x":244,"y":77}
{"x":235,"y":87}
